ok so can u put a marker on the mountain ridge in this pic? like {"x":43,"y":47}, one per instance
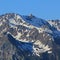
{"x":43,"y":35}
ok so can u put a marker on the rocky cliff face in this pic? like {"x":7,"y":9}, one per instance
{"x":29,"y":38}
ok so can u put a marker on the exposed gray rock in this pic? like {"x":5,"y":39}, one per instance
{"x":32,"y":38}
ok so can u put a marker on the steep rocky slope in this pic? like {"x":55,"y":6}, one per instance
{"x":29,"y":38}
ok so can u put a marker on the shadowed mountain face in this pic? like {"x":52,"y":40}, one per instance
{"x":29,"y":38}
{"x":22,"y":46}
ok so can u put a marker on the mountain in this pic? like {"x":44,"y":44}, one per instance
{"x":29,"y":38}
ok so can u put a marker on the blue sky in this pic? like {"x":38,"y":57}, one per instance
{"x":46,"y":9}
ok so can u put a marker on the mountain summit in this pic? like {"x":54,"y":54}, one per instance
{"x":29,"y":38}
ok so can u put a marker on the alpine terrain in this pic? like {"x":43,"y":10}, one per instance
{"x":29,"y":38}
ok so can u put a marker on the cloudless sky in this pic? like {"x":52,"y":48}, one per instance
{"x":46,"y":9}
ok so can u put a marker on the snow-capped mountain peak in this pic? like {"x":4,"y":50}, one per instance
{"x":29,"y":35}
